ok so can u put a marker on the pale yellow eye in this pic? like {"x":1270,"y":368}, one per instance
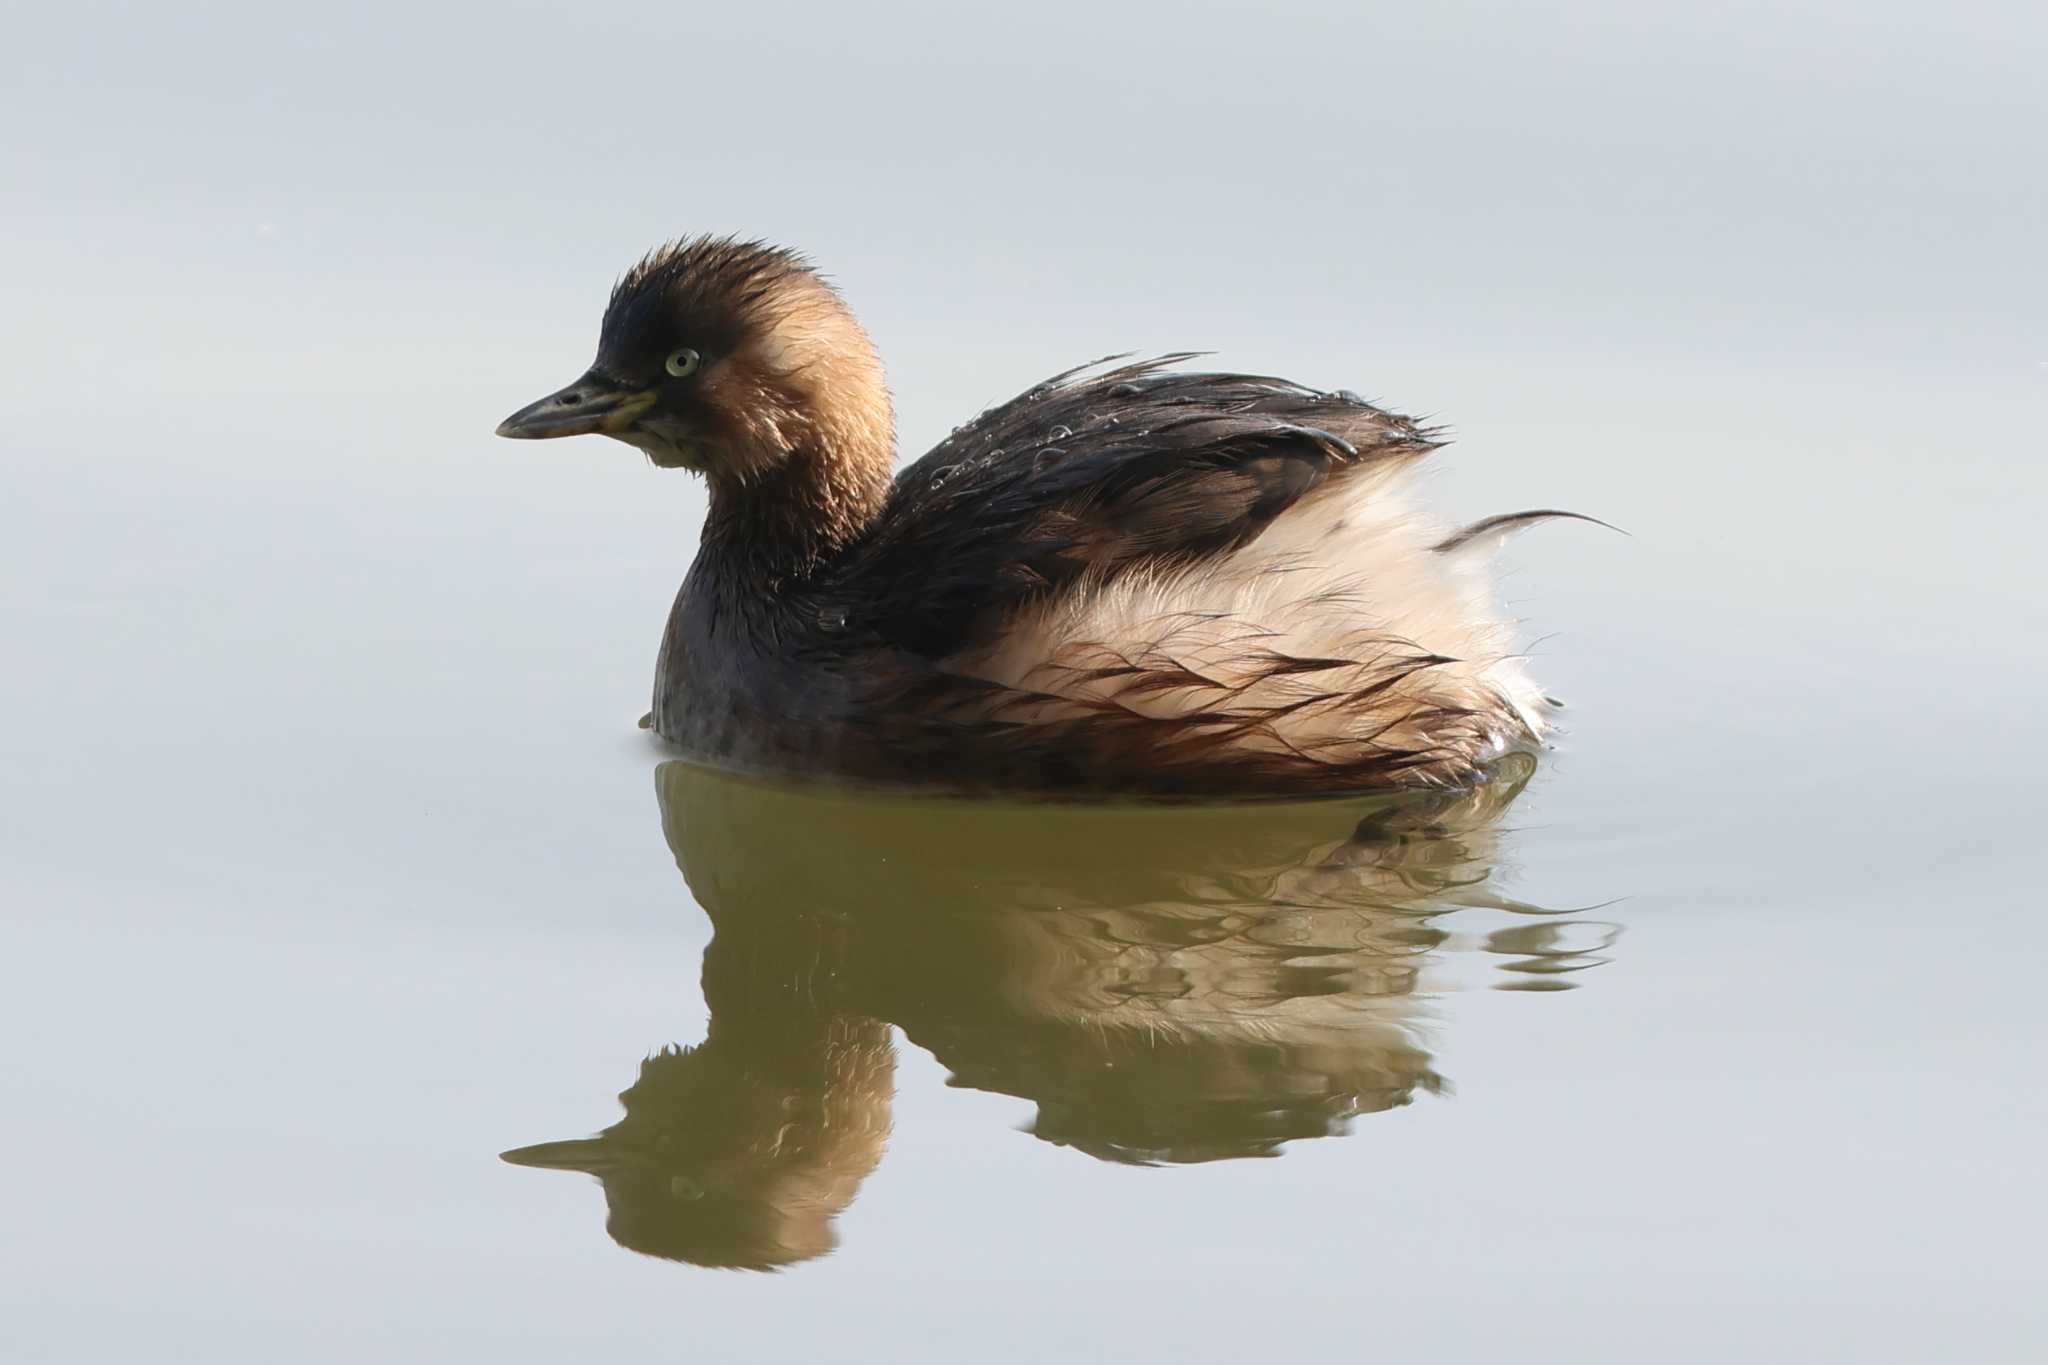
{"x":682,"y":363}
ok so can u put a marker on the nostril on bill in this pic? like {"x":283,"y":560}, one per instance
{"x":570,"y":400}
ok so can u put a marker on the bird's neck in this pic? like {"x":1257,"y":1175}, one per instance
{"x":783,"y":523}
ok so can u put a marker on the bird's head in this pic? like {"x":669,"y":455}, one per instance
{"x":727,"y":357}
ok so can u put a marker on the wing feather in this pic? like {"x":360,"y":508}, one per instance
{"x":1094,"y":473}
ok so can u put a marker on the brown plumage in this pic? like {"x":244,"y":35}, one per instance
{"x":1130,"y":578}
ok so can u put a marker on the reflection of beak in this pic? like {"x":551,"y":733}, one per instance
{"x":592,"y":403}
{"x":589,"y":1155}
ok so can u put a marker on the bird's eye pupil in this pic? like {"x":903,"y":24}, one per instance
{"x":682,"y":362}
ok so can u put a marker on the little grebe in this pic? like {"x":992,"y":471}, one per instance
{"x":1130,"y":578}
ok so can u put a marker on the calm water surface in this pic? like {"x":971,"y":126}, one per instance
{"x":374,"y":991}
{"x":335,"y":869}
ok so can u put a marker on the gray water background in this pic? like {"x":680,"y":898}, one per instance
{"x":330,"y":862}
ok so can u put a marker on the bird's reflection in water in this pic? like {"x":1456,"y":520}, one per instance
{"x":1165,"y":984}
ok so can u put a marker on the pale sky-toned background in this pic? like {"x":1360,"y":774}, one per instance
{"x":328,"y":863}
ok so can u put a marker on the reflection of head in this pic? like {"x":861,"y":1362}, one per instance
{"x":739,"y":1152}
{"x":1165,"y":984}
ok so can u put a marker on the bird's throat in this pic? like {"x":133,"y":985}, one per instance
{"x":803,"y":509}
